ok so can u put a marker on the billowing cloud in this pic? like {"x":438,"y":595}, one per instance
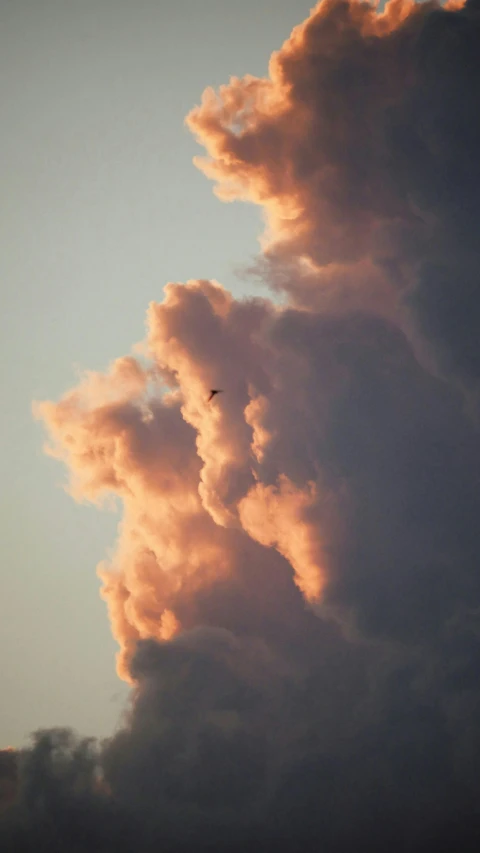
{"x":361,"y":147}
{"x":295,"y":585}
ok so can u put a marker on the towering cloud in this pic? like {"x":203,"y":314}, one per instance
{"x":362,"y":149}
{"x":295,"y":588}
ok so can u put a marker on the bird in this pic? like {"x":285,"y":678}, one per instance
{"x":213,"y":392}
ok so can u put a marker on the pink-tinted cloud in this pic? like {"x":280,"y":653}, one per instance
{"x":307,"y":143}
{"x":184,"y":469}
{"x":294,"y":587}
{"x":351,"y":146}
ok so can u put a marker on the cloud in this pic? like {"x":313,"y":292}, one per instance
{"x":8,"y":777}
{"x":295,"y":587}
{"x":361,"y":147}
{"x":62,"y":803}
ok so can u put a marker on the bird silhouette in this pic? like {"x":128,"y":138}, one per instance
{"x":213,"y":392}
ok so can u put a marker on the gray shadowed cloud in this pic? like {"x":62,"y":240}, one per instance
{"x":295,"y":589}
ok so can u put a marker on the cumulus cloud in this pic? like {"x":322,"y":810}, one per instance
{"x":295,"y":586}
{"x":361,"y":147}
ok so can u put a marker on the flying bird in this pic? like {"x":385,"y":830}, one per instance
{"x":213,"y":392}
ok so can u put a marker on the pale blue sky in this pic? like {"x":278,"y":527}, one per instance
{"x":100,"y":207}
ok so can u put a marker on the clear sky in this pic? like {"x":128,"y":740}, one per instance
{"x":100,"y":207}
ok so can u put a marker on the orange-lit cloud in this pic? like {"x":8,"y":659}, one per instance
{"x":306,"y":143}
{"x":317,"y":145}
{"x":351,"y":152}
{"x":295,"y":586}
{"x":185,"y":470}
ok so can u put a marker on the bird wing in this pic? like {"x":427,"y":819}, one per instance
{"x":213,"y":392}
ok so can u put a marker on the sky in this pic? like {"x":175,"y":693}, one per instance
{"x":101,"y":207}
{"x":291,"y":580}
